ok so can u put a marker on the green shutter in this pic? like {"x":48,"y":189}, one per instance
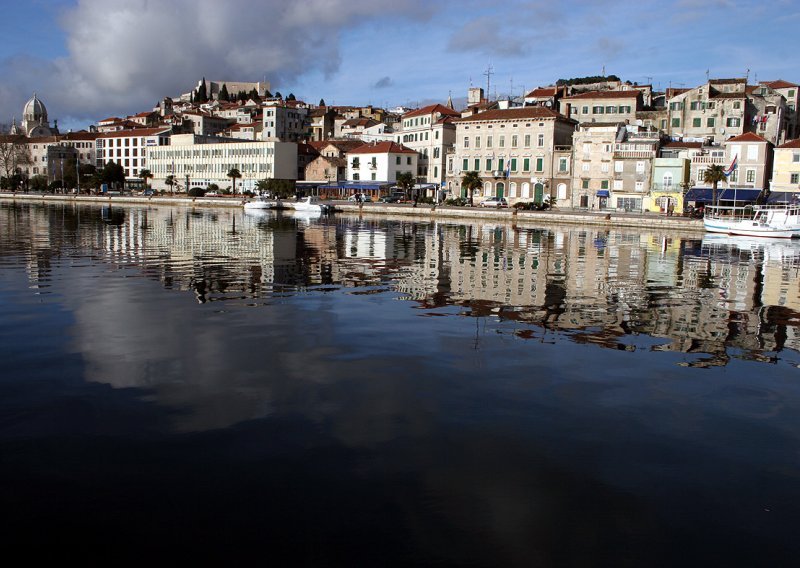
{"x":526,"y":164}
{"x":466,"y":164}
{"x":513,"y":164}
{"x":477,"y":164}
{"x":539,"y":164}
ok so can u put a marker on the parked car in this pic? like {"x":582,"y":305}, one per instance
{"x":395,"y":198}
{"x":494,"y":202}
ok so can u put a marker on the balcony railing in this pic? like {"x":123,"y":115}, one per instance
{"x":719,"y":160}
{"x":668,"y":187}
{"x":642,"y":154}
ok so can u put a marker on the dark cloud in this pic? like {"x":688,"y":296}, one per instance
{"x":383,"y":83}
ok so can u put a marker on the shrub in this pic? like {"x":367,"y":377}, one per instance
{"x":457,"y":201}
{"x":197,"y":192}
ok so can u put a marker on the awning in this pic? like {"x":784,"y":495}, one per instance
{"x":602,"y":193}
{"x":784,"y":197}
{"x":705,"y":194}
{"x":357,"y":186}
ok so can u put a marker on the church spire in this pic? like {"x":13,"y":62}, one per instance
{"x":450,"y":100}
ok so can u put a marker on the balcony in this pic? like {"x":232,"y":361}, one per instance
{"x":671,"y":188}
{"x":634,"y":154}
{"x":718,"y":160}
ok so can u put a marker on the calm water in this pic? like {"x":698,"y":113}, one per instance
{"x":291,"y":391}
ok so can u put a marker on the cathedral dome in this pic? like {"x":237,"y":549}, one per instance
{"x":35,"y":110}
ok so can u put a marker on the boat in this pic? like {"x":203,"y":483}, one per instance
{"x":780,"y":221}
{"x":259,"y":202}
{"x":312,"y":204}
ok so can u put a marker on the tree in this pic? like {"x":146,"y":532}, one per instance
{"x":471,"y":181}
{"x":14,"y":153}
{"x":144,"y":174}
{"x":113,"y":173}
{"x":405,"y":181}
{"x":170,"y":181}
{"x":254,"y":94}
{"x":714,"y":175}
{"x":202,"y":92}
{"x":322,"y":103}
{"x":280,"y":188}
{"x":291,"y":97}
{"x":278,"y":95}
{"x":234,"y":174}
{"x":223,"y":93}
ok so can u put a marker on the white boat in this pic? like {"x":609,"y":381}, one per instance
{"x":311,"y":204}
{"x":259,"y":202}
{"x":771,"y":221}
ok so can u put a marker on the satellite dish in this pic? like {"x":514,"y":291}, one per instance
{"x":722,"y":131}
{"x":548,"y":104}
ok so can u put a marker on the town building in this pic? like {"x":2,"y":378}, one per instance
{"x":753,"y":155}
{"x":430,"y":132}
{"x":128,"y":148}
{"x":603,"y":106}
{"x":380,"y":161}
{"x":634,"y":154}
{"x":34,"y":121}
{"x":198,"y":162}
{"x":791,"y":93}
{"x":593,"y":145}
{"x":786,"y":167}
{"x":513,"y":151}
{"x":284,"y":122}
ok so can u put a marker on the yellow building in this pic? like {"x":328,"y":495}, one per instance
{"x":786,"y":167}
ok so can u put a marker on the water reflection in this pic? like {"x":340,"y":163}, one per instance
{"x":713,"y":296}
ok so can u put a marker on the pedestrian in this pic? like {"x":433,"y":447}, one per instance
{"x":670,"y":209}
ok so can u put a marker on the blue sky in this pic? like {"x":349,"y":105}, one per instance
{"x":90,"y":59}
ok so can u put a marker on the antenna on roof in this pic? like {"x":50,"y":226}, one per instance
{"x":746,"y":76}
{"x":489,"y":72}
{"x":708,"y":72}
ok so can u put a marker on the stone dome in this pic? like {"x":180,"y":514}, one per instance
{"x":35,"y":110}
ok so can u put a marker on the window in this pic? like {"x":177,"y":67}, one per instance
{"x":540,"y":141}
{"x":696,"y":105}
{"x":513,"y":164}
{"x":539,"y":164}
{"x":466,"y":141}
{"x":397,"y":160}
{"x":356,"y":177}
{"x":526,"y":164}
{"x":585,"y":110}
{"x":604,"y":184}
{"x":585,"y":183}
{"x":618,"y":185}
{"x":791,"y":93}
{"x":618,"y":166}
{"x":465,"y":164}
{"x":640,"y":167}
{"x":737,"y":105}
{"x":733,"y":122}
{"x":663,"y":124}
{"x":585,"y":167}
{"x":408,"y":161}
{"x":514,"y":141}
{"x":488,"y":164}
{"x":563,"y":165}
{"x":477,"y":141}
{"x":500,"y":164}
{"x":597,"y":110}
{"x":611,"y":109}
{"x":794,"y":178}
{"x":477,"y":163}
{"x":502,"y":141}
{"x":751,"y":176}
{"x":527,"y":140}
{"x":796,"y":157}
{"x":676,"y":106}
{"x":676,"y":123}
{"x":373,"y":176}
{"x":710,"y":122}
{"x":604,"y":167}
{"x":752,"y":152}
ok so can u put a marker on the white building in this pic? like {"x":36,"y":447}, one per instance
{"x":129,"y":148}
{"x":200,"y":164}
{"x":430,"y":131}
{"x":283,"y":122}
{"x":382,"y":161}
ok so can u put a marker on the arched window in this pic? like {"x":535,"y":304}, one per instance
{"x":500,"y":190}
{"x":667,"y":180}
{"x":487,"y":188}
{"x":562,"y":191}
{"x":512,"y":189}
{"x":526,"y":191}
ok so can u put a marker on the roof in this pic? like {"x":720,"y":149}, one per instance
{"x":386,"y":147}
{"x":430,"y":109}
{"x":747,"y":137}
{"x":342,"y":145}
{"x":519,"y":113}
{"x":682,"y":144}
{"x":632,"y":94}
{"x":364,"y":122}
{"x":718,"y":95}
{"x":791,"y":144}
{"x":544,"y":92}
{"x":135,"y":132}
{"x":726,"y":81}
{"x":780,"y":84}
{"x":306,"y":149}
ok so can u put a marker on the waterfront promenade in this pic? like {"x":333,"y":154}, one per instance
{"x":420,"y":212}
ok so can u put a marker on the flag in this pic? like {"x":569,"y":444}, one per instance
{"x":508,"y":168}
{"x":733,"y":166}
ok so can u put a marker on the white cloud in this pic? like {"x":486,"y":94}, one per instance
{"x":124,"y":55}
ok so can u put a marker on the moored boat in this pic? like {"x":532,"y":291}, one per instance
{"x":312,"y":204}
{"x":771,"y":221}
{"x":259,"y":202}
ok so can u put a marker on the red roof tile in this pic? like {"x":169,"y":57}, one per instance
{"x":430,"y":109}
{"x":135,"y":132}
{"x":791,"y":144}
{"x":780,"y":84}
{"x":386,"y":147}
{"x":747,"y":137}
{"x":519,"y":113}
{"x":544,"y":92}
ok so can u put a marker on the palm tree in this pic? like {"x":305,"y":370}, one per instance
{"x":144,"y":174}
{"x":714,"y":175}
{"x":471,"y":181}
{"x":234,"y":174}
{"x":170,"y":181}
{"x":405,"y":181}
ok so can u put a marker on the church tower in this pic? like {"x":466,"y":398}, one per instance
{"x":34,"y":119}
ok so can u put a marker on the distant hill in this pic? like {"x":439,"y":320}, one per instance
{"x":587,"y":80}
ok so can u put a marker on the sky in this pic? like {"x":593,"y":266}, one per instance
{"x":92,"y":59}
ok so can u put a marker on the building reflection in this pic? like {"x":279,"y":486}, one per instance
{"x":715,"y":297}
